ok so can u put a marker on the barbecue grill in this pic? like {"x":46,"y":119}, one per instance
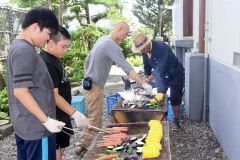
{"x":136,"y":128}
{"x":128,"y":114}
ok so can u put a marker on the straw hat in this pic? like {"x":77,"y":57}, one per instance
{"x":140,"y":41}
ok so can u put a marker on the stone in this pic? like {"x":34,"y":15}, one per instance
{"x":6,"y":129}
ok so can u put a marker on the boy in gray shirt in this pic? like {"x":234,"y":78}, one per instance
{"x":30,"y":89}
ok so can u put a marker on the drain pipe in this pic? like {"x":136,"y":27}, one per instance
{"x":202,"y":9}
{"x":206,"y":89}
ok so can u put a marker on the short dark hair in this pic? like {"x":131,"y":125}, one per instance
{"x":61,"y":34}
{"x":44,"y":17}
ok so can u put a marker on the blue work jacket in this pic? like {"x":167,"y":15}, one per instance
{"x":164,"y":63}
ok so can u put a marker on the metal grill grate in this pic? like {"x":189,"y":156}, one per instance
{"x":134,"y":129}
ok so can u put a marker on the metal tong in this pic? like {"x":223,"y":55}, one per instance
{"x":156,"y":99}
{"x":137,"y":92}
{"x":145,"y":97}
{"x":99,"y":129}
{"x":90,"y":127}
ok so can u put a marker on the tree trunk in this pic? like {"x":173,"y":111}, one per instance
{"x":88,"y":21}
{"x":87,"y":14}
{"x":78,"y":17}
{"x":160,"y":24}
{"x":48,"y":4}
{"x":60,"y":12}
{"x":2,"y":82}
{"x":160,"y":5}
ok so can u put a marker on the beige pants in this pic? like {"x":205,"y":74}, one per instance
{"x":94,"y":99}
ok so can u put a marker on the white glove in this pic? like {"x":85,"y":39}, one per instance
{"x":53,"y":125}
{"x":80,"y":120}
{"x":147,"y":88}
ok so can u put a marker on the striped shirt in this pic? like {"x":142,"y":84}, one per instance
{"x":26,"y":69}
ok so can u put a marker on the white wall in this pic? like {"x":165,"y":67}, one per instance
{"x":222,"y":39}
{"x":177,"y":15}
{"x":178,"y":22}
{"x":224,"y":107}
{"x":195,"y":24}
{"x":224,"y":29}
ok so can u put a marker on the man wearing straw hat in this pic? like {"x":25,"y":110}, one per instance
{"x":167,"y":70}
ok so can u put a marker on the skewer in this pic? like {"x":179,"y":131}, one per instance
{"x":66,"y":133}
{"x":74,"y":130}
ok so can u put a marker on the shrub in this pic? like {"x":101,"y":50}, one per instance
{"x":4,"y":115}
{"x":135,"y":60}
{"x":4,"y":104}
{"x":76,"y":72}
{"x":82,"y":41}
{"x":126,"y":47}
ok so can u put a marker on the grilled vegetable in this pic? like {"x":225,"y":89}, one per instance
{"x":152,"y":101}
{"x":150,"y":153}
{"x":133,"y":138}
{"x":118,"y":159}
{"x":139,"y":151}
{"x":153,"y":146}
{"x":130,"y":151}
{"x":140,"y":143}
{"x":101,"y":155}
{"x":133,"y":106}
{"x":134,"y":145}
{"x":153,"y":106}
{"x":148,"y":104}
{"x":108,"y":157}
{"x":118,"y":148}
{"x":110,"y":147}
{"x":111,"y":151}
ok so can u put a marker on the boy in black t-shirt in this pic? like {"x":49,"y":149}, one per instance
{"x":53,"y":51}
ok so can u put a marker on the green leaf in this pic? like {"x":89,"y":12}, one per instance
{"x":4,"y":115}
{"x":4,"y":101}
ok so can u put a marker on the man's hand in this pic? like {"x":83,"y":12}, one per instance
{"x":53,"y":125}
{"x":147,"y":88}
{"x":148,"y":78}
{"x":80,"y":120}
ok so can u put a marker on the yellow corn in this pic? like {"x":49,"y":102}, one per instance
{"x":153,"y":153}
{"x":159,"y":96}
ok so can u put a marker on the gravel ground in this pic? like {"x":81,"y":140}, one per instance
{"x":195,"y":141}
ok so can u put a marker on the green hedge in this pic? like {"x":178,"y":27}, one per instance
{"x":4,"y":112}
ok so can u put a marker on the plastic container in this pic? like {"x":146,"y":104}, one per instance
{"x":170,"y":114}
{"x":78,"y":103}
{"x":111,"y":100}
